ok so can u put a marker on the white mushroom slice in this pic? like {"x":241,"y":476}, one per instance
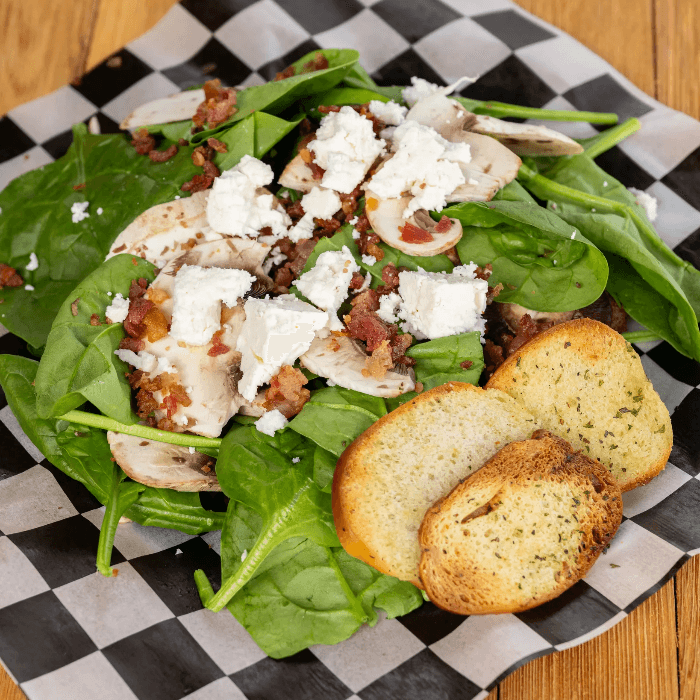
{"x":211,"y":382}
{"x":342,"y":360}
{"x":163,"y":466}
{"x":386,"y":218}
{"x":175,"y":108}
{"x":298,"y":176}
{"x":526,"y":139}
{"x":512,"y":314}
{"x":160,"y":232}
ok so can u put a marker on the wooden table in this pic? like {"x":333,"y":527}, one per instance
{"x":652,"y":654}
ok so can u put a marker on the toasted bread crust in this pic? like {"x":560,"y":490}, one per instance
{"x":589,"y":343}
{"x":467,"y":573}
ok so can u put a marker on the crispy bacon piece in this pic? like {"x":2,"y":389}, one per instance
{"x":145,"y":403}
{"x":143,"y":142}
{"x":81,"y":186}
{"x":286,"y":392}
{"x":169,"y":405}
{"x":218,"y":146}
{"x":298,"y":255}
{"x":327,"y":227}
{"x":9,"y":277}
{"x":413,"y":234}
{"x":217,"y":348}
{"x":327,"y":109}
{"x":95,"y":320}
{"x":288,"y":72}
{"x":379,"y":361}
{"x":219,"y":104}
{"x":318,"y":62}
{"x":178,"y":391}
{"x":198,"y":183}
{"x":493,"y":292}
{"x":467,"y":364}
{"x":316,"y":170}
{"x":163,"y":156}
{"x":357,"y":281}
{"x":443,"y":225}
{"x":133,"y":344}
{"x":133,"y":323}
{"x":156,"y":324}
{"x":210,"y":170}
{"x":137,"y":288}
{"x":390,"y":277}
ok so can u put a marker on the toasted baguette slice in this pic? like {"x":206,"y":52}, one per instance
{"x":586,"y":384}
{"x":391,"y":474}
{"x":525,"y":527}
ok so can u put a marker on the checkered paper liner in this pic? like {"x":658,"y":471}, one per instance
{"x":68,"y":633}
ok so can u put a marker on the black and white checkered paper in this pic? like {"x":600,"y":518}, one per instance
{"x":67,"y":633}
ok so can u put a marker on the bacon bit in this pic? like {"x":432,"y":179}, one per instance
{"x":133,"y":344}
{"x":137,"y":288}
{"x":133,"y":323}
{"x":219,"y":104}
{"x":198,"y":183}
{"x":183,"y":142}
{"x":218,"y":146}
{"x":327,"y":227}
{"x":327,"y":109}
{"x":134,"y":262}
{"x":333,"y":345}
{"x":156,"y":324}
{"x":145,"y":403}
{"x":453,"y":256}
{"x":483,"y":273}
{"x":115,"y":572}
{"x":444,"y":225}
{"x":362,"y":224}
{"x":467,"y":364}
{"x":377,"y":364}
{"x":371,"y":204}
{"x":288,"y":72}
{"x":218,"y":348}
{"x":286,"y":392}
{"x":74,"y":307}
{"x":390,"y":277}
{"x":493,"y":292}
{"x":374,"y":250}
{"x":9,"y":277}
{"x":413,"y":234}
{"x":167,"y":424}
{"x":120,"y":248}
{"x":81,"y":186}
{"x":143,"y":142}
{"x":95,"y":320}
{"x":169,"y":404}
{"x":178,"y":391}
{"x":210,"y":170}
{"x":201,"y":155}
{"x":318,"y":62}
{"x":163,"y":156}
{"x":419,"y":387}
{"x":357,"y":280}
{"x":156,"y":295}
{"x":316,"y":170}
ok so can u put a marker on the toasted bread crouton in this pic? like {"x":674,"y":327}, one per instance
{"x":390,"y":475}
{"x":586,"y":384}
{"x":529,"y":524}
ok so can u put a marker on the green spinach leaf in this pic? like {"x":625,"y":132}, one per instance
{"x":438,"y":361}
{"x":79,"y":363}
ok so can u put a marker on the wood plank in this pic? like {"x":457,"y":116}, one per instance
{"x":678,"y":55}
{"x":635,"y":659}
{"x":8,"y":690}
{"x":620,"y":31}
{"x":688,"y":620}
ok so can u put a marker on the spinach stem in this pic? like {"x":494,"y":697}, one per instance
{"x":109,"y":526}
{"x":206,"y":592}
{"x":104,"y":423}
{"x":501,"y":109}
{"x":612,"y":137}
{"x":644,"y":336}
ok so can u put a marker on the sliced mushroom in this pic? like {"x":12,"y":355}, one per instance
{"x":160,"y":233}
{"x":174,"y":108}
{"x":513,"y":313}
{"x":386,"y":218}
{"x":211,"y":382}
{"x":161,"y":465}
{"x":342,"y":359}
{"x":298,"y":176}
{"x":526,"y":139}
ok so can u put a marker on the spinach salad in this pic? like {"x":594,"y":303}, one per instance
{"x":556,"y":238}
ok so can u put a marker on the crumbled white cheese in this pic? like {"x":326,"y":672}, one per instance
{"x":274,"y":258}
{"x":271,"y":422}
{"x":353,"y":221}
{"x":317,"y":204}
{"x":296,"y":460}
{"x":425,"y":164}
{"x":355,"y":234}
{"x":99,"y":211}
{"x":78,"y":212}
{"x":326,"y":283}
{"x":275,"y":333}
{"x":33,"y":263}
{"x":365,"y":284}
{"x":649,"y":203}
{"x":29,"y":287}
{"x":191,"y":449}
{"x":109,"y":294}
{"x":573,"y":235}
{"x":345,"y":147}
{"x":388,"y":306}
{"x":197,"y":296}
{"x":438,"y":304}
{"x":164,"y":366}
{"x":118,"y":310}
{"x":391,"y":113}
{"x":144,"y":361}
{"x":420,"y":89}
{"x":244,"y":554}
{"x":235,"y":208}
{"x":369,"y":260}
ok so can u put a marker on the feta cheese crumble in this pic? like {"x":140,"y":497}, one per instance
{"x":275,"y":257}
{"x":275,"y":333}
{"x":425,"y":164}
{"x":99,"y":211}
{"x":391,"y":113}
{"x":317,"y":204}
{"x":438,"y":304}
{"x":271,"y":422}
{"x":33,"y":263}
{"x":234,"y":206}
{"x":345,"y":147}
{"x":326,"y":283}
{"x":296,"y":460}
{"x":78,"y":211}
{"x":145,"y":361}
{"x":197,"y":296}
{"x":388,"y":306}
{"x":192,"y":450}
{"x":419,"y":90}
{"x":649,"y":203}
{"x":29,"y":287}
{"x":369,"y":260}
{"x":118,"y":310}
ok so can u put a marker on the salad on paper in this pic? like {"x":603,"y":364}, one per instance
{"x":226,"y":298}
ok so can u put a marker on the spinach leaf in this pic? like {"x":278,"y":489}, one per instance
{"x":340,"y":96}
{"x":542,"y":262}
{"x":257,"y":471}
{"x":274,"y":97}
{"x":324,"y":468}
{"x":334,"y":417}
{"x":438,"y":361}
{"x":359,"y":78}
{"x":304,"y":593}
{"x":37,"y":205}
{"x":79,"y":363}
{"x":513,"y":192}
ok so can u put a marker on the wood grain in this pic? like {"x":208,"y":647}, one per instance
{"x":653,"y":653}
